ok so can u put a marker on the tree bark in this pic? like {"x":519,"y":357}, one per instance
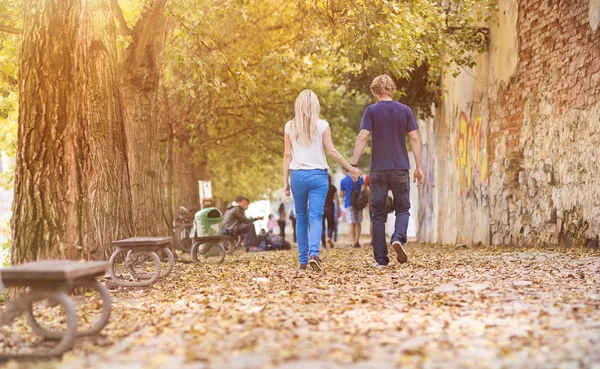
{"x":186,"y":174}
{"x":140,"y":71}
{"x":71,"y":180}
{"x":166,"y":124}
{"x":110,"y":213}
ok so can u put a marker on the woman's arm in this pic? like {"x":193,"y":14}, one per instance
{"x":287,"y":159}
{"x":335,"y":155}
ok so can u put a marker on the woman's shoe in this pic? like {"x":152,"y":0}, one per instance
{"x":331,"y":244}
{"x":315,"y":263}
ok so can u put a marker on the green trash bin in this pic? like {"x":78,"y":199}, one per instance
{"x":208,"y":222}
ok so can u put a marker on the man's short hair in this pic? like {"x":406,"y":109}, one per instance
{"x":383,"y":85}
{"x":240,"y":199}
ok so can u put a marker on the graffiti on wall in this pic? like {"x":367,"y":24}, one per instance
{"x":471,"y":159}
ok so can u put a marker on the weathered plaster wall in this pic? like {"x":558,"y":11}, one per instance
{"x":458,"y":139}
{"x":517,"y":139}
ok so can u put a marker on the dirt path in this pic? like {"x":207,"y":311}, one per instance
{"x":447,"y":308}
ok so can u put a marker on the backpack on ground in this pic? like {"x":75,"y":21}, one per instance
{"x":358,"y":198}
{"x":275,"y":242}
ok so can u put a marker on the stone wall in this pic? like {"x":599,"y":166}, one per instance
{"x":544,"y":130}
{"x":517,"y":138}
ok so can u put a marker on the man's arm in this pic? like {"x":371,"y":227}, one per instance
{"x":241,"y":216}
{"x":359,"y":147}
{"x":415,"y":145}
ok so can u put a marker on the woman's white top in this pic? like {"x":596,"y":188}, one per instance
{"x":312,"y":156}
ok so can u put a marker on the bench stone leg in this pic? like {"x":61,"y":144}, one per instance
{"x":104,"y":317}
{"x":67,"y":338}
{"x":171,"y":262}
{"x":129,"y":263}
{"x":200,"y":250}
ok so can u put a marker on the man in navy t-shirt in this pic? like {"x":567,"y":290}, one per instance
{"x":388,"y":122}
{"x":354,"y":216}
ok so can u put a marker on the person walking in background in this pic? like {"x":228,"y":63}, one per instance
{"x":331,"y":203}
{"x":282,"y":222}
{"x":333,"y":233}
{"x":354,"y":216}
{"x":388,"y":122}
{"x":306,"y":139}
{"x":293,"y":219}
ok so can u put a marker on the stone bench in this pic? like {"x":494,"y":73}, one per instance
{"x":53,"y":280}
{"x":208,"y":250}
{"x":137,"y":250}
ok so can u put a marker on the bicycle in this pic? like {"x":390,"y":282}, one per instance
{"x":183,"y":228}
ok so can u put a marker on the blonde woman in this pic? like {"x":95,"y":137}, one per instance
{"x":307,"y":138}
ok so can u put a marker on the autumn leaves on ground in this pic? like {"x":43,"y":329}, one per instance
{"x":448,"y":307}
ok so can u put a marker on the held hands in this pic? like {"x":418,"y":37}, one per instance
{"x":355,"y":174}
{"x":419,"y":178}
{"x":286,"y":188}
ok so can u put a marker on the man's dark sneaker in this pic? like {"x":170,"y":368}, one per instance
{"x":302,"y":266}
{"x":400,"y":253}
{"x":315,"y":263}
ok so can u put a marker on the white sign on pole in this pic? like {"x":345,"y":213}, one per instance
{"x":205,"y":190}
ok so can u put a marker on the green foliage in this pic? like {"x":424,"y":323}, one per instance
{"x":233,"y":68}
{"x":234,"y":72}
{"x":9,"y":74}
{"x":411,"y":40}
{"x":5,"y":252}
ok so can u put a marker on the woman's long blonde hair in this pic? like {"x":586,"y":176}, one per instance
{"x":304,"y":124}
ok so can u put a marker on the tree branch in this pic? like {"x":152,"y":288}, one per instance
{"x":123,"y":28}
{"x":7,"y":29}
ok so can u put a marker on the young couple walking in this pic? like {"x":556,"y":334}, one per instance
{"x":307,"y":138}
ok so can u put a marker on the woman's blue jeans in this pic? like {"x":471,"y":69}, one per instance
{"x":309,"y":188}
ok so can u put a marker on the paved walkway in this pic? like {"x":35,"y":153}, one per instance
{"x":447,"y":308}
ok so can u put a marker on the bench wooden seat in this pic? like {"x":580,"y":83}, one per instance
{"x":51,"y":271}
{"x":53,"y":280}
{"x":135,"y":242}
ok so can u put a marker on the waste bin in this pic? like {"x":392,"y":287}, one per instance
{"x":208,"y":222}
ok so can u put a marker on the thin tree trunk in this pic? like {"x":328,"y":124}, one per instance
{"x":70,"y":179}
{"x":140,"y":70}
{"x":167,"y":159}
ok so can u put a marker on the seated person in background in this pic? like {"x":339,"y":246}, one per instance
{"x":236,"y":223}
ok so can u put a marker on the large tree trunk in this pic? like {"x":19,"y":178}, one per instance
{"x":110,"y":212}
{"x":71,"y":181}
{"x":140,"y":72}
